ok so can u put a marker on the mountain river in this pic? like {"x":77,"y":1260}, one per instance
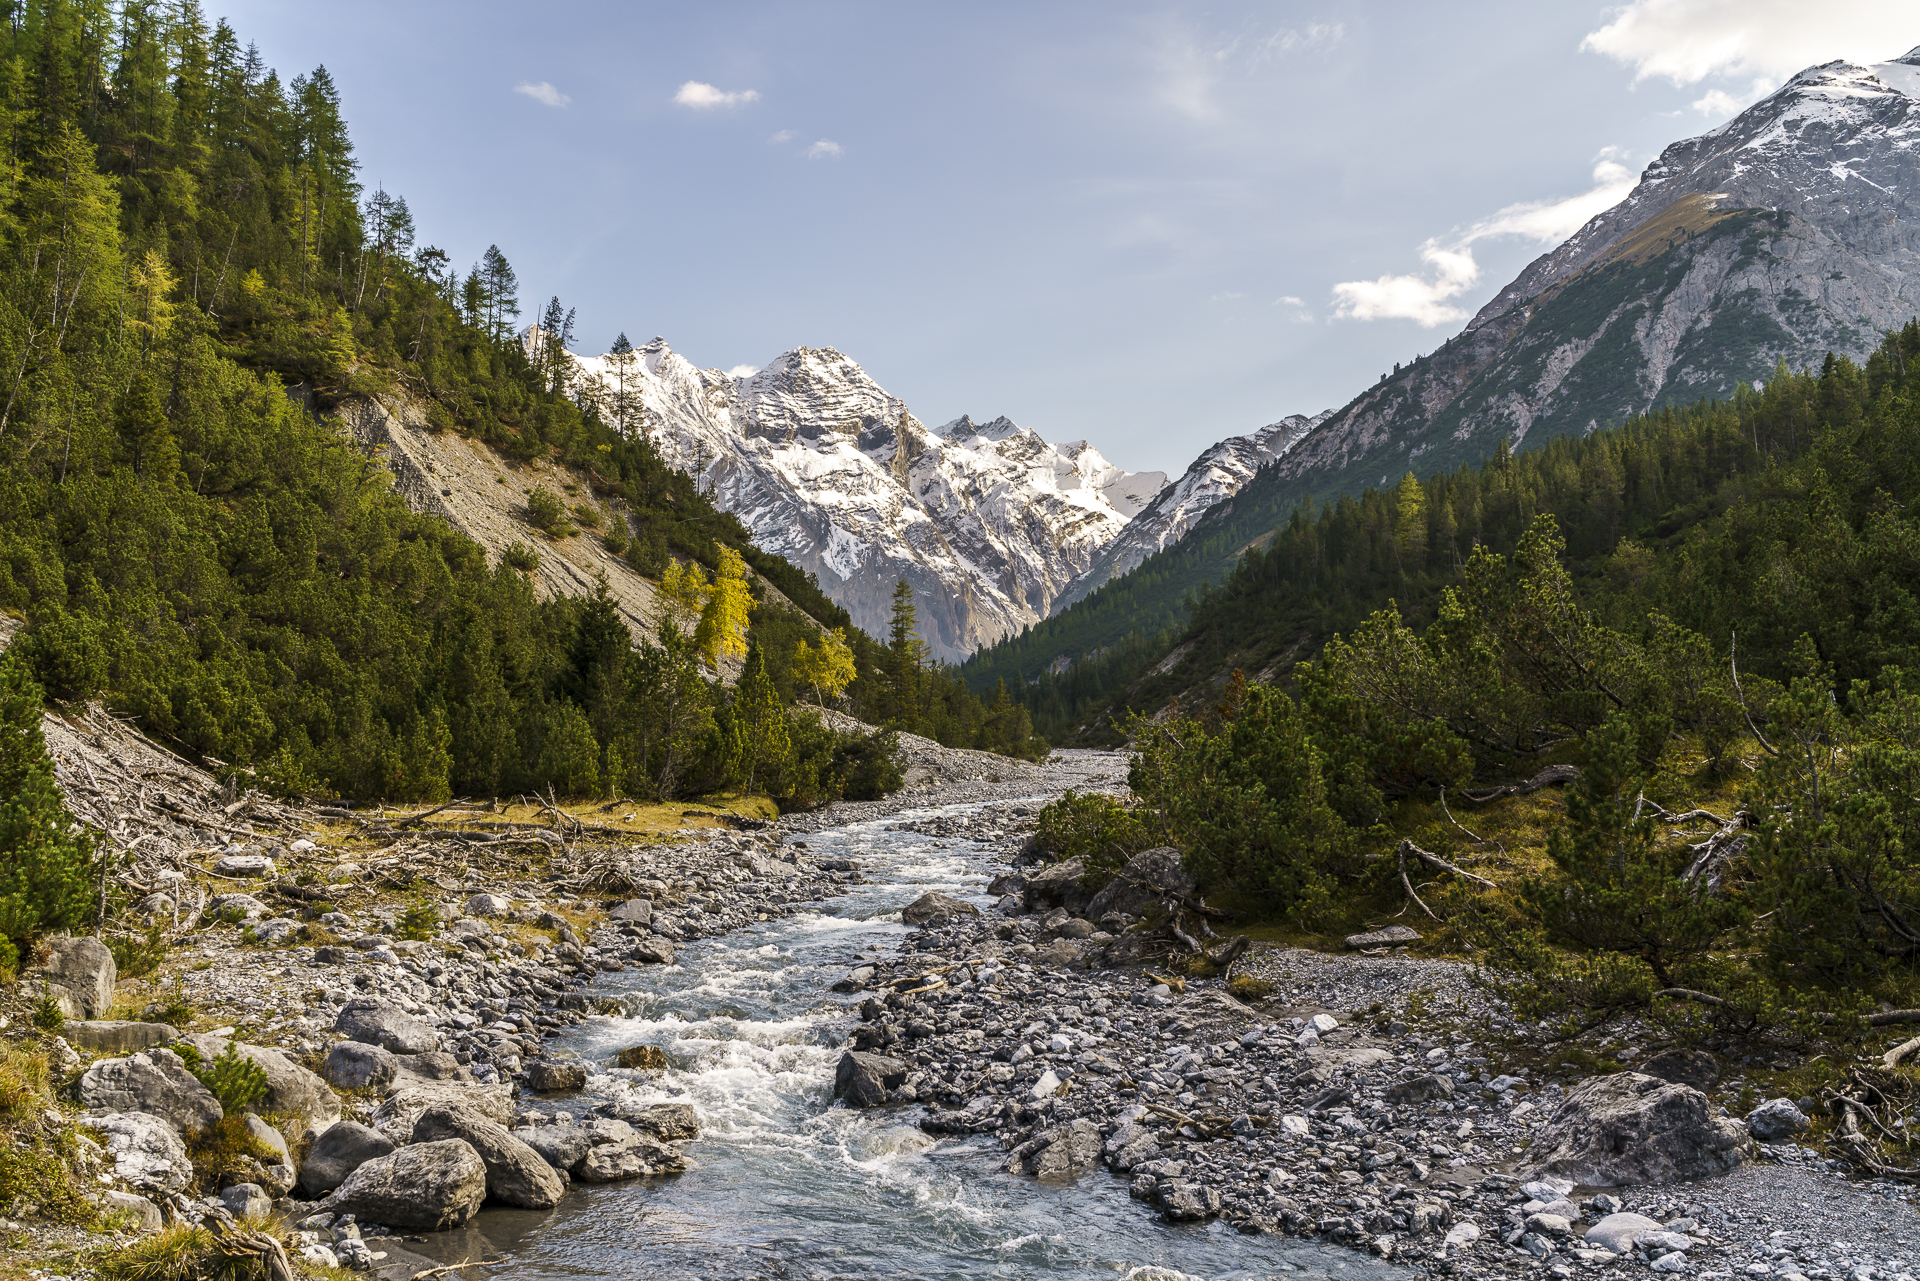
{"x":786,"y":1183}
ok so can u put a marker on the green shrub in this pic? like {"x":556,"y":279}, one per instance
{"x":546,"y":513}
{"x":519,"y":556}
{"x":232,"y":1078}
{"x":1101,"y":829}
{"x":419,"y":921}
{"x":44,"y":880}
{"x":138,"y":957}
{"x":47,"y":1015}
{"x":868,"y":766}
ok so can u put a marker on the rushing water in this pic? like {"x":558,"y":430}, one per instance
{"x":785,"y":1183}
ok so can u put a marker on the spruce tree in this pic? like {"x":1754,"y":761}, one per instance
{"x":43,"y":862}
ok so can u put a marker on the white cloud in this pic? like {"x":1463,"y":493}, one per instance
{"x":1422,"y":300}
{"x":1225,"y":296}
{"x":825,"y":149}
{"x":785,"y":135}
{"x":1452,"y":270}
{"x":705,"y":96}
{"x":1296,"y":308}
{"x":1288,"y":300}
{"x":1685,"y":41}
{"x":743,"y":371}
{"x":543,"y":93}
{"x":1194,"y":72}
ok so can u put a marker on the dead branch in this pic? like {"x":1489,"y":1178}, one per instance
{"x":1733,"y":641}
{"x":1892,"y":1057}
{"x":1434,"y":860}
{"x":1545,"y":778}
{"x":1477,"y":840}
{"x":1408,"y":884}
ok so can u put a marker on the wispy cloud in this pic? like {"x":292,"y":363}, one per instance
{"x":1686,"y":41}
{"x":743,"y":371}
{"x":825,"y":149}
{"x":543,"y":93}
{"x":1226,"y":295}
{"x":785,"y":135}
{"x":1295,"y":309}
{"x":1194,"y":72}
{"x":704,"y":97}
{"x":1426,"y":299}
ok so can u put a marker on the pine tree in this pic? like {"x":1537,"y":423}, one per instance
{"x":499,"y":294}
{"x":621,"y":361}
{"x":906,"y":653}
{"x":44,"y":881}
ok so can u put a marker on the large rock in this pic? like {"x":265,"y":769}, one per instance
{"x":864,"y":1080}
{"x":554,"y":1078}
{"x":115,"y":1036}
{"x":292,"y":1091}
{"x":155,"y":1082}
{"x":668,"y":1122}
{"x":429,"y":1187}
{"x":935,"y":908}
{"x":344,"y":1148}
{"x":1617,"y":1232}
{"x":516,"y":1174}
{"x":1148,"y":881}
{"x":146,"y":1151}
{"x":1058,"y":885}
{"x":1776,"y":1121}
{"x":561,"y":1146}
{"x":619,"y":1151}
{"x":1132,"y":1144}
{"x":395,"y":1117}
{"x":637,"y":910}
{"x":382,"y":1023}
{"x":1632,"y":1128}
{"x":78,"y":974}
{"x":351,"y":1065}
{"x":1072,"y":1147}
{"x":141,"y":1213}
{"x":1392,"y":936}
{"x":1420,"y":1089}
{"x":434,"y":1065}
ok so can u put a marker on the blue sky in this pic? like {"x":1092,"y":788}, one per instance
{"x":1148,"y":225}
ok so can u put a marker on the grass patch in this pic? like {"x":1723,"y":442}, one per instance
{"x":175,"y":1254}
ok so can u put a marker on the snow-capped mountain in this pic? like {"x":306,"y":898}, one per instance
{"x":1214,"y":477}
{"x":987,"y":521}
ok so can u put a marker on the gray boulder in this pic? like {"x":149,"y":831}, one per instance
{"x":434,"y":1065}
{"x":246,"y":1201}
{"x":637,"y":910}
{"x":1072,"y":1147}
{"x":342,"y":1149}
{"x":489,"y":905}
{"x":395,"y":1117}
{"x":553,"y":1078}
{"x":1776,"y":1121}
{"x":1132,"y":1144}
{"x":864,"y":1080}
{"x":78,"y":974}
{"x":560,"y":1146}
{"x":1147,"y":882}
{"x":350,"y":1065}
{"x":651,"y":951}
{"x":246,"y":865}
{"x":1392,"y":936}
{"x":935,"y":908}
{"x":155,"y":1082}
{"x":382,"y":1023}
{"x":1631,"y":1128}
{"x":619,"y":1152}
{"x":292,"y":1090}
{"x":114,"y":1036}
{"x":1183,"y":1200}
{"x":668,"y":1122}
{"x":1684,"y":1067}
{"x":516,"y":1174}
{"x":1617,"y":1232}
{"x":429,"y":1187}
{"x":145,"y":1150}
{"x":1420,"y":1089}
{"x":143,"y":1213}
{"x":1058,"y":885}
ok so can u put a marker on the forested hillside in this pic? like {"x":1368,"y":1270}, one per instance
{"x":184,"y":241}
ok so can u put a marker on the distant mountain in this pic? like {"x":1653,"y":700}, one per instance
{"x":987,"y":521}
{"x":1215,"y":476}
{"x":1789,"y":232}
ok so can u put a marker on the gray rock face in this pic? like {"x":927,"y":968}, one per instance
{"x":553,"y":1078}
{"x":429,"y":1187}
{"x":1616,"y":1232}
{"x":79,"y":975}
{"x":1058,"y":885}
{"x":113,"y":1036}
{"x":1776,"y":1121}
{"x":382,"y":1023}
{"x":146,"y":1151}
{"x":516,"y":1174}
{"x":1392,"y":936}
{"x":155,"y":1082}
{"x":351,"y":1065}
{"x":1148,"y":881}
{"x":935,"y":908}
{"x":291,"y":1089}
{"x":1631,"y":1128}
{"x":1684,"y":1067}
{"x":1073,"y":1147}
{"x":342,"y":1149}
{"x":864,"y":1080}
